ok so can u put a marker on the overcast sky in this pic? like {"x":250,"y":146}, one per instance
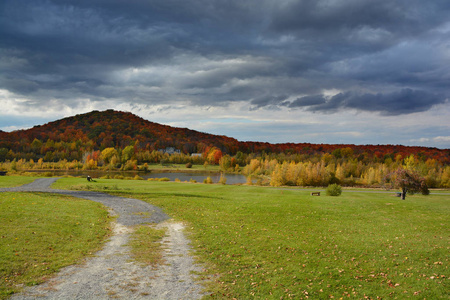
{"x":318,"y":71}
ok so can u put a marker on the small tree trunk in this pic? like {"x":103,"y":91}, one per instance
{"x":403,"y":194}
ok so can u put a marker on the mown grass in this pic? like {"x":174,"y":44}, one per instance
{"x":41,"y":233}
{"x":268,"y":243}
{"x":12,"y":181}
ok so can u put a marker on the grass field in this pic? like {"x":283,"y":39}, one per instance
{"x":41,"y":233}
{"x":12,"y":181}
{"x":268,"y":243}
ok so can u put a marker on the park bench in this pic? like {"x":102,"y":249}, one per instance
{"x":315,"y":193}
{"x":2,"y":173}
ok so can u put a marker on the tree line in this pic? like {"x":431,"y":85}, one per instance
{"x":122,"y":141}
{"x":273,"y":169}
{"x":350,"y":172}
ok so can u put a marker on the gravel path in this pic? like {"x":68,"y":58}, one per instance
{"x":111,"y":273}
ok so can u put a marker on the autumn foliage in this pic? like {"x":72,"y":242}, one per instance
{"x":409,"y":181}
{"x":120,"y":140}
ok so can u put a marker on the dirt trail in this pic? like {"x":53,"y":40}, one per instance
{"x":111,"y":273}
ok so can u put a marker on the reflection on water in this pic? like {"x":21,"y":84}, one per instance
{"x":182,"y":176}
{"x":199,"y":177}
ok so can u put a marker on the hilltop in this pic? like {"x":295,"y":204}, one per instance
{"x":112,"y":129}
{"x":98,"y":130}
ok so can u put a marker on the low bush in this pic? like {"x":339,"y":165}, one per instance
{"x":208,"y":180}
{"x":334,"y":190}
{"x":223,"y":179}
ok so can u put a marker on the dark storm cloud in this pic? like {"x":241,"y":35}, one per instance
{"x":307,"y":101}
{"x":404,"y":102}
{"x":267,"y":100}
{"x":318,"y":15}
{"x":382,"y":56}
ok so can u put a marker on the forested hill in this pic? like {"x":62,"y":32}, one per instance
{"x":70,"y":137}
{"x":99,"y":130}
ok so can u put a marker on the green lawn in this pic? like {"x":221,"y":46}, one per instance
{"x":268,"y":243}
{"x":12,"y":181}
{"x":41,"y":233}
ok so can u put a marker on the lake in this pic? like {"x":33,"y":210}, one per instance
{"x":198,"y":176}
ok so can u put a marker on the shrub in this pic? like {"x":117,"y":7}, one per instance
{"x":130,"y":165}
{"x":425,"y":191}
{"x":189,"y":165}
{"x":334,"y":190}
{"x":208,"y":180}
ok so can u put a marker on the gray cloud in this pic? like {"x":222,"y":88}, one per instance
{"x":385,"y":56}
{"x":266,"y":100}
{"x":405,"y":101}
{"x":307,"y":101}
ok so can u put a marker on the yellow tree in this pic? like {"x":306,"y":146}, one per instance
{"x":410,"y":162}
{"x":278,"y":177}
{"x":108,"y":154}
{"x":340,"y":173}
{"x":445,"y":177}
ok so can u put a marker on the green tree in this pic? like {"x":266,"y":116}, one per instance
{"x":127,"y":153}
{"x":225,"y":162}
{"x":3,"y":153}
{"x":36,"y":146}
{"x":334,"y":190}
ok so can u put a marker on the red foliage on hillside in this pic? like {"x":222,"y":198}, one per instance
{"x":98,"y":130}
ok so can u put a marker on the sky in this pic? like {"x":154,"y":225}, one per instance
{"x":306,"y":71}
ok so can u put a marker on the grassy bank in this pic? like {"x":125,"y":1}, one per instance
{"x":41,"y":233}
{"x":269,"y":243}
